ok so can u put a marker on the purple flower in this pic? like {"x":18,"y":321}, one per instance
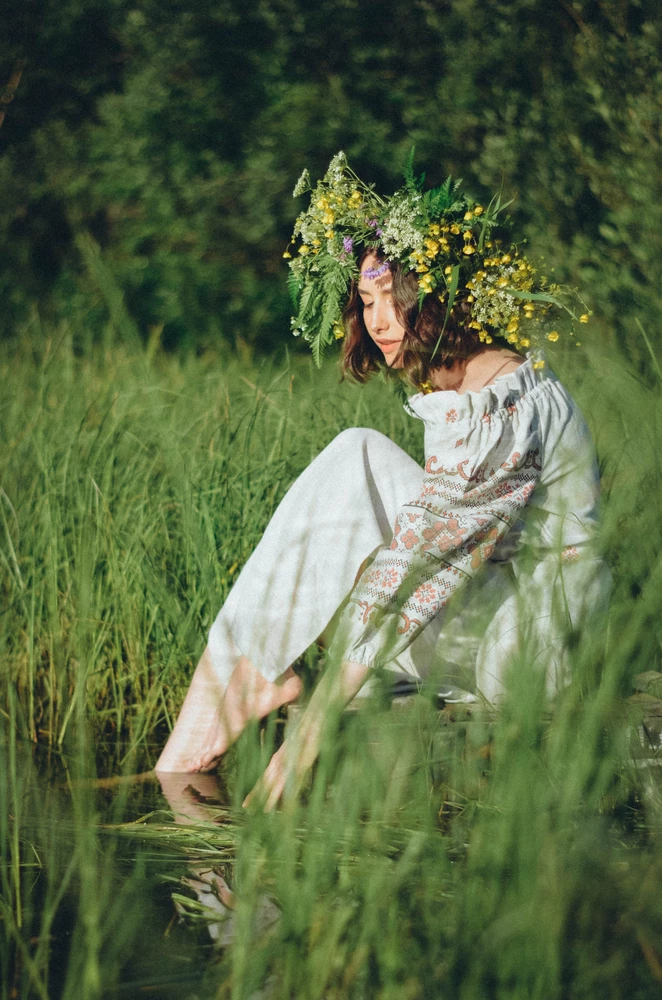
{"x":375,"y":272}
{"x":372,"y":223}
{"x":347,"y":244}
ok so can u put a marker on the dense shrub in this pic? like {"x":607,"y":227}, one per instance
{"x":173,"y":135}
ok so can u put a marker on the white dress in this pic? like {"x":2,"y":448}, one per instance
{"x":502,"y":518}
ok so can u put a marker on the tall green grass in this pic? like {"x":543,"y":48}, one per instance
{"x":510,"y":854}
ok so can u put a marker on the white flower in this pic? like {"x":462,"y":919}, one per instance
{"x":399,"y":232}
{"x":336,"y":171}
{"x":493,"y":304}
{"x":302,"y":185}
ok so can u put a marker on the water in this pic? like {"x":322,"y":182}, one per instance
{"x":111,"y":897}
{"x":117,"y":884}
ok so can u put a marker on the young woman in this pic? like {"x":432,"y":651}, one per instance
{"x":369,"y":547}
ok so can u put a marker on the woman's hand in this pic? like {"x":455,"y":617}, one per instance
{"x":271,"y":786}
{"x":290,"y":764}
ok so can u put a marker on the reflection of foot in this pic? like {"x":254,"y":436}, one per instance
{"x":211,"y":719}
{"x":193,"y":798}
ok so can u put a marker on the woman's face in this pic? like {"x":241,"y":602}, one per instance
{"x":379,"y":314}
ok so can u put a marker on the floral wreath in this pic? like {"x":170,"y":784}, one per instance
{"x":442,"y":234}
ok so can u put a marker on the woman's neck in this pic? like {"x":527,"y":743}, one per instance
{"x":474,"y":373}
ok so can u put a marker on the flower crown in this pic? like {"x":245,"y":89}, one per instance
{"x":442,"y":234}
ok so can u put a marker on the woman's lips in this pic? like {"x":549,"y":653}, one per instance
{"x":384,"y":344}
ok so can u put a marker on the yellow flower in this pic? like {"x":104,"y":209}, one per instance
{"x":553,"y":336}
{"x":525,"y":342}
{"x":512,"y":338}
{"x":538,"y":365}
{"x":455,"y":228}
{"x":449,"y":270}
{"x":480,"y":275}
{"x":467,"y":235}
{"x":468,"y":250}
{"x":489,"y":244}
{"x":513,"y":326}
{"x":583,"y":318}
{"x":432,"y":246}
{"x":287,"y":255}
{"x":421,"y":268}
{"x":502,"y":282}
{"x":488,"y":339}
{"x":578,"y":343}
{"x":470,"y":298}
{"x":506,"y":259}
{"x":434,"y":229}
{"x":468,"y":215}
{"x":316,"y":243}
{"x":338,"y":331}
{"x":478,"y":210}
{"x":328,"y":218}
{"x":303,"y":250}
{"x":329,"y":234}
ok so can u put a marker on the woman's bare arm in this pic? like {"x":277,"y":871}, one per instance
{"x":289,"y":765}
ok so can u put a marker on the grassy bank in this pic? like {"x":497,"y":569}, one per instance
{"x":491,"y":856}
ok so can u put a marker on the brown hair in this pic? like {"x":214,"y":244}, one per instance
{"x":361,"y":357}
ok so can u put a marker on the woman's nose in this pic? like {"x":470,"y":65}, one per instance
{"x":379,"y":319}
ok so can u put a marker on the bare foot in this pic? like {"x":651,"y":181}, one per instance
{"x":211,"y":719}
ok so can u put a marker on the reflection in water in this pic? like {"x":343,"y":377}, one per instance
{"x":196,"y":798}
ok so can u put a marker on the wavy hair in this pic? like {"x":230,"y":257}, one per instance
{"x":361,"y":357}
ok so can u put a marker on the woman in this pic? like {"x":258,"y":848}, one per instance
{"x":369,"y":546}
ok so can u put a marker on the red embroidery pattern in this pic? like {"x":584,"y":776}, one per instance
{"x":443,"y":537}
{"x":409,"y":539}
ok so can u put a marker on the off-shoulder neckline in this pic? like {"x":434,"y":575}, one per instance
{"x":503,"y":391}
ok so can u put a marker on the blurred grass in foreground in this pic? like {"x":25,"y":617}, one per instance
{"x":510,"y":855}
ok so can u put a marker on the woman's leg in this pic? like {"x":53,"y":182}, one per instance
{"x":212,"y":717}
{"x":341,"y":508}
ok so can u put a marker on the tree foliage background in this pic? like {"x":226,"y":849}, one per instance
{"x":148,"y":157}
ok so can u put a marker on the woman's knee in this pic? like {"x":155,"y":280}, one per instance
{"x":355,"y":440}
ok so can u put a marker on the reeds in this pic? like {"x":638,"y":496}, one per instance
{"x":509,"y":854}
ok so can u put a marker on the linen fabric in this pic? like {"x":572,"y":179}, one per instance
{"x":489,"y":546}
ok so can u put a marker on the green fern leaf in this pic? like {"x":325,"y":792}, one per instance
{"x":294,"y":286}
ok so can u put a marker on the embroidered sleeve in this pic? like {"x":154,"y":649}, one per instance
{"x":440,"y":540}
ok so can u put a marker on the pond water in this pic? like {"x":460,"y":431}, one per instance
{"x":117,"y":884}
{"x":104,"y":883}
